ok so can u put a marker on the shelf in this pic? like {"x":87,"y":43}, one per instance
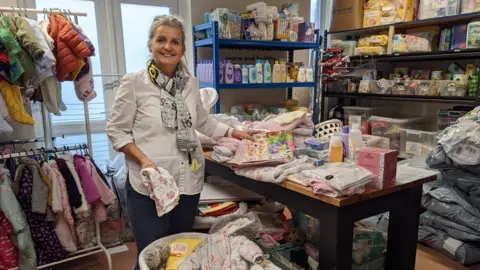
{"x":449,"y":20}
{"x":257,"y":85}
{"x":437,"y":55}
{"x":257,"y":44}
{"x":430,"y":99}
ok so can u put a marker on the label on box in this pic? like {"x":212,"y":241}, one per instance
{"x":401,"y":87}
{"x":451,"y":87}
{"x":451,"y":245}
{"x":413,"y":148}
{"x":436,"y":4}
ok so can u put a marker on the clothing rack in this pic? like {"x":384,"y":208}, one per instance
{"x":99,"y":248}
{"x":80,"y":253}
{"x":75,"y":16}
{"x":24,"y":141}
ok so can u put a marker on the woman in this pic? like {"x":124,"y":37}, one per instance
{"x":153,"y":121}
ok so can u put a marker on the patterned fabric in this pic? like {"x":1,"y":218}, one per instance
{"x":85,"y":228}
{"x":11,"y":208}
{"x":13,"y":48}
{"x":220,"y":251}
{"x":67,"y":210}
{"x":163,"y":189}
{"x":84,"y":207}
{"x":13,"y":98}
{"x":175,"y":114}
{"x":47,"y":245}
{"x":8,"y":251}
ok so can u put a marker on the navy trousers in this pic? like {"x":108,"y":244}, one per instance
{"x":148,"y":227}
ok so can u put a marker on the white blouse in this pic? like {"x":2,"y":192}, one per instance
{"x":136,"y":117}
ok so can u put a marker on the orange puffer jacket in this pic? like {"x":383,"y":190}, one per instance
{"x":70,"y":48}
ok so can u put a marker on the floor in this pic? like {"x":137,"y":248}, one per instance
{"x":427,"y":259}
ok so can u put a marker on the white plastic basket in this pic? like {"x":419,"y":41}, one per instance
{"x":325,"y":130}
{"x":157,"y":252}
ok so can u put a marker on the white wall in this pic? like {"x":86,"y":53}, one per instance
{"x":238,"y":96}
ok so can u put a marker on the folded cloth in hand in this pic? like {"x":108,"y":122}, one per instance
{"x":222,"y":154}
{"x":205,"y":140}
{"x":162,"y":188}
{"x":276,"y":174}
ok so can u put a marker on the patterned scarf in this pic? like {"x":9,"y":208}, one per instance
{"x":175,"y":114}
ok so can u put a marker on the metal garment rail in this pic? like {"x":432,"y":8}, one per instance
{"x":75,"y":15}
{"x":80,"y":253}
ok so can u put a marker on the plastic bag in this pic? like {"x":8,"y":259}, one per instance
{"x":179,"y":250}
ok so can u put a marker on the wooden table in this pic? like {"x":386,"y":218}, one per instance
{"x":337,"y":215}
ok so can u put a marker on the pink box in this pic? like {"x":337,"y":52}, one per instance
{"x":381,"y":162}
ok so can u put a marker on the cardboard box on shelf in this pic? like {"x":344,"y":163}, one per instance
{"x":347,"y":15}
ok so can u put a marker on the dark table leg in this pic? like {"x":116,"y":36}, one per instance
{"x":403,"y":231}
{"x":336,"y":234}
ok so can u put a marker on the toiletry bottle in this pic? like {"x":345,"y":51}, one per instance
{"x":222,"y":72}
{"x":267,"y":72}
{"x":276,"y":72}
{"x":355,"y":136}
{"x":309,"y":74}
{"x":229,"y":78}
{"x":244,"y":74}
{"x":344,"y":138}
{"x":335,"y":151}
{"x":238,"y":73}
{"x":252,"y":74}
{"x":259,"y":68}
{"x":283,"y":74}
{"x":301,"y":74}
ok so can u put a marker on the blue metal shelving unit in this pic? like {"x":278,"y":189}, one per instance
{"x":216,"y":44}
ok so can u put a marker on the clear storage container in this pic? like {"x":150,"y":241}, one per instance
{"x":453,"y":88}
{"x":404,"y":87}
{"x":416,"y":142}
{"x":368,"y":86}
{"x":364,"y":112}
{"x":390,"y":127}
{"x":426,"y":87}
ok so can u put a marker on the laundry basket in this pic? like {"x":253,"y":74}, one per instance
{"x":157,"y":252}
{"x":325,"y":130}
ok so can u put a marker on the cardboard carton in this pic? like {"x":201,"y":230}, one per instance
{"x":347,"y":15}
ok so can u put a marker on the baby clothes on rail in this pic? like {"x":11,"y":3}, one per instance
{"x":14,"y":100}
{"x":62,"y":228}
{"x":10,"y":206}
{"x":8,"y":251}
{"x":66,"y":206}
{"x":73,"y":175}
{"x":47,"y":245}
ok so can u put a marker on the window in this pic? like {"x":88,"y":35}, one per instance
{"x":124,"y":49}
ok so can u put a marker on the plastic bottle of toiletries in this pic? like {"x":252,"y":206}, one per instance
{"x":267,"y":72}
{"x":344,"y":137}
{"x":276,"y":72}
{"x":209,"y":71}
{"x":283,"y":72}
{"x":335,"y":151}
{"x":355,"y":137}
{"x":222,"y":72}
{"x":244,"y":74}
{"x":301,"y":74}
{"x":259,"y":68}
{"x":252,"y":74}
{"x":238,"y":73}
{"x":309,"y":74}
{"x":229,"y":76}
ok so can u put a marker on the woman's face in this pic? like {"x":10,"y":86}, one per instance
{"x":166,"y":46}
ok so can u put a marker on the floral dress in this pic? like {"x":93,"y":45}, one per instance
{"x":46,"y":242}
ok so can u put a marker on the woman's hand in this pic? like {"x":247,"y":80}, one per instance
{"x":147,"y":163}
{"x":243,"y":135}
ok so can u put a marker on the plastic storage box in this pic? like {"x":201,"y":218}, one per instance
{"x":403,"y":88}
{"x":453,"y":88}
{"x":416,"y":142}
{"x":364,"y":112}
{"x":445,"y":118}
{"x":390,"y":127}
